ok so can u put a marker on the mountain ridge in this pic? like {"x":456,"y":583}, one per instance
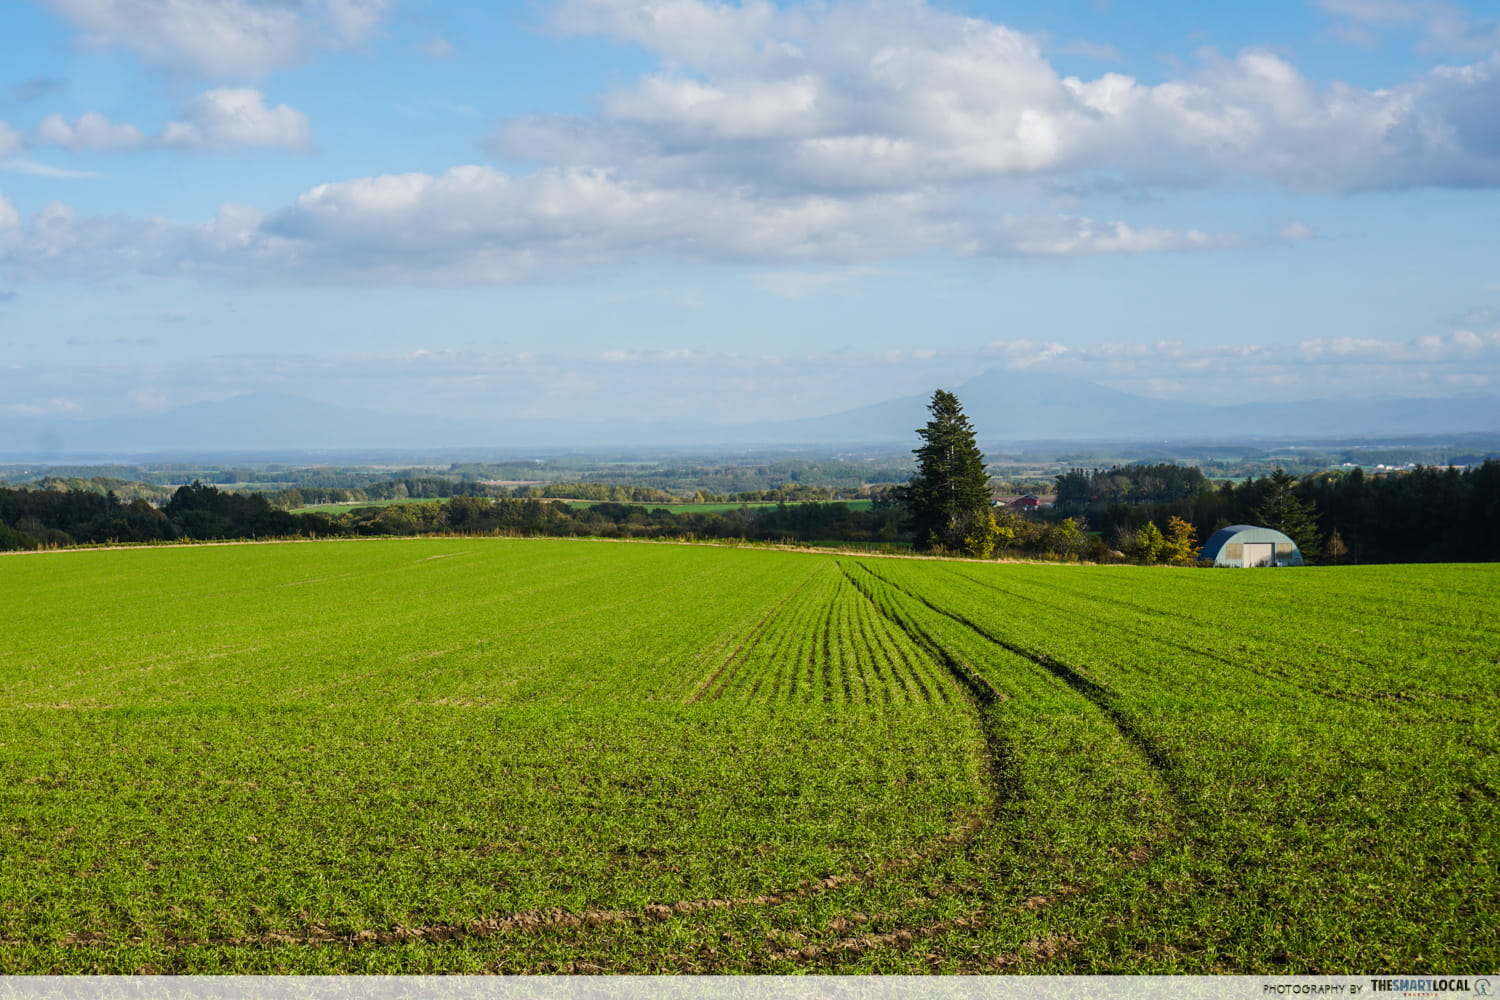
{"x":1003,"y":406}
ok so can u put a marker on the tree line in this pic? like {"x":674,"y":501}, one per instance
{"x":32,"y":519}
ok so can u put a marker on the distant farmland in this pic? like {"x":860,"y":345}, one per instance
{"x":485,"y":755}
{"x":676,"y":508}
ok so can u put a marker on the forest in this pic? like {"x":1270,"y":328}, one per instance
{"x":1425,"y":514}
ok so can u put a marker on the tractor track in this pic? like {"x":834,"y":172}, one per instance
{"x":540,"y":919}
{"x":1100,"y":696}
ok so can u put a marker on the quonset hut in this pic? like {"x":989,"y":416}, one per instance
{"x":1246,"y":545}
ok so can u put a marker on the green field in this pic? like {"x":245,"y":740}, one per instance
{"x":489,"y":755}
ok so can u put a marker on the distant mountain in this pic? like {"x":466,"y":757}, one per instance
{"x":1004,"y":406}
{"x":1017,"y":406}
{"x":272,"y":422}
{"x":1012,"y":407}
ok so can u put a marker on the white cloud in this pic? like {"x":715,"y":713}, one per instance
{"x":353,"y":22}
{"x":9,"y":217}
{"x":237,"y":117}
{"x":1065,"y":236}
{"x":90,"y":132}
{"x":824,"y":135}
{"x":224,"y":38}
{"x":34,"y":169}
{"x":1296,"y":231}
{"x":216,"y":120}
{"x":479,"y":225}
{"x":1459,"y":346}
{"x":888,"y":95}
{"x":687,"y":31}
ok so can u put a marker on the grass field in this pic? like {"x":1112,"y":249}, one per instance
{"x":556,"y":756}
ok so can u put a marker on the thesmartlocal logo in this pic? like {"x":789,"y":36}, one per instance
{"x":1429,"y":986}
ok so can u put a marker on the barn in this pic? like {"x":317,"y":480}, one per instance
{"x":1246,"y":545}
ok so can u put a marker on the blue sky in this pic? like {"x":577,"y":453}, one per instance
{"x":741,"y":210}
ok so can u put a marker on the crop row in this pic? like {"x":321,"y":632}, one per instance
{"x":832,"y":645}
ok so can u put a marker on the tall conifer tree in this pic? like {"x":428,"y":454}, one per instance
{"x":949,"y":498}
{"x":1282,"y":509}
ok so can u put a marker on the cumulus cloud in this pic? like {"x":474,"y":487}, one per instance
{"x":833,"y":134}
{"x":89,"y":132}
{"x":216,"y":120}
{"x":483,"y":225}
{"x":224,"y":38}
{"x":57,"y":243}
{"x":1459,"y":346}
{"x":9,"y":217}
{"x":884,"y":94}
{"x":480,"y":225}
{"x":237,"y":117}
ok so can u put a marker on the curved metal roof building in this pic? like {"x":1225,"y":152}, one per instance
{"x":1248,"y":546}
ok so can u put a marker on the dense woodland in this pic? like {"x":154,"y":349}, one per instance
{"x":1136,"y":512}
{"x":1420,"y":515}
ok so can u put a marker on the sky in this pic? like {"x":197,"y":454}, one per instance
{"x":737,"y":211}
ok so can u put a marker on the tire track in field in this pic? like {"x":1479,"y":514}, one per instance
{"x":1100,"y":696}
{"x":1276,"y":676}
{"x":1047,"y":946}
{"x":548,"y":918}
{"x":1005,"y":780}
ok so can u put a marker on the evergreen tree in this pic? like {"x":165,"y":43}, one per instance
{"x":948,"y":500}
{"x":1282,"y":509}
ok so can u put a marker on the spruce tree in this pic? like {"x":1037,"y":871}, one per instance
{"x":948,"y":500}
{"x":1282,"y":509}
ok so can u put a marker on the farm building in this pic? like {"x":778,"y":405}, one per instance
{"x":1246,"y":545}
